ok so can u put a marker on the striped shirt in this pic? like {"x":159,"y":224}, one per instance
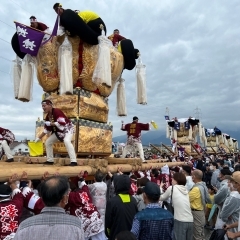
{"x":52,"y":223}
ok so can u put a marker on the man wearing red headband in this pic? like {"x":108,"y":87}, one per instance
{"x":61,"y":129}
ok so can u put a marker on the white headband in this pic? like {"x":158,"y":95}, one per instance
{"x":33,"y":20}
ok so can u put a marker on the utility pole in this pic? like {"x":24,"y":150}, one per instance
{"x":167,"y":112}
{"x":197,"y":113}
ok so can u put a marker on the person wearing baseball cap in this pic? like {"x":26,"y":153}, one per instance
{"x":235,"y":179}
{"x":148,"y":224}
{"x":134,"y":136}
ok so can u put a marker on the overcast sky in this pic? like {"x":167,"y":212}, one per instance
{"x":191,"y":50}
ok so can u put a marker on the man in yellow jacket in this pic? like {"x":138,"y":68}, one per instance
{"x":198,"y":197}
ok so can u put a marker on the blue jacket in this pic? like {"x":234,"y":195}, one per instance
{"x":153,"y":224}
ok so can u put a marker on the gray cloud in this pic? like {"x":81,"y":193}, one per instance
{"x":191,"y":50}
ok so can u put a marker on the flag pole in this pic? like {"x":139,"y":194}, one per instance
{"x":31,"y":28}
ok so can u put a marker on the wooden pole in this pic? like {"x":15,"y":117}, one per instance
{"x":156,"y":148}
{"x":32,"y":28}
{"x":195,"y":149}
{"x":37,"y":172}
{"x":170,"y":150}
{"x":213,"y":149}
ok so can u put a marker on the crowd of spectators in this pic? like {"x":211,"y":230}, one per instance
{"x":166,"y":203}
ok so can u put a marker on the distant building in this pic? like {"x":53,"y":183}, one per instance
{"x":19,"y":148}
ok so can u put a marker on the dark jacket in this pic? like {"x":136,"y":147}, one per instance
{"x":155,"y":224}
{"x":199,"y":164}
{"x":121,"y":209}
{"x":207,"y":176}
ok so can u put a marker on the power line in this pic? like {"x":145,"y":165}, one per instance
{"x":4,"y":72}
{"x":5,"y":59}
{"x":20,"y":6}
{"x":7,"y":24}
{"x":4,"y":40}
{"x":15,"y":3}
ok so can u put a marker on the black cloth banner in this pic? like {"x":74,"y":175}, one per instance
{"x":187,"y":125}
{"x":177,"y":126}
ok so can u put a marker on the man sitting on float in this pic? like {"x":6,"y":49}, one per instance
{"x":34,"y":23}
{"x":116,"y":38}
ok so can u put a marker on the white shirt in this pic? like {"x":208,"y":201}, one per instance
{"x":189,"y":183}
{"x":180,"y":202}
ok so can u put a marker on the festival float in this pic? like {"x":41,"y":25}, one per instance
{"x":185,"y":132}
{"x":211,"y":138}
{"x":77,"y":70}
{"x":228,"y":144}
{"x":214,"y":141}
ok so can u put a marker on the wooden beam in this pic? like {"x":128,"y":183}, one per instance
{"x":213,"y":149}
{"x":156,"y":148}
{"x":170,"y":150}
{"x":195,"y":149}
{"x":157,"y":160}
{"x":37,"y":172}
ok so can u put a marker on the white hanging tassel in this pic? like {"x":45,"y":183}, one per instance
{"x":102,"y":71}
{"x":220,"y":139}
{"x":190,"y":133}
{"x":171,"y":133}
{"x":217,"y":143}
{"x":167,"y":131}
{"x":26,"y":82}
{"x":196,"y":130}
{"x":121,"y":99}
{"x":16,"y":75}
{"x":65,"y":67}
{"x":203,"y":132}
{"x":141,"y":82}
{"x":205,"y":142}
{"x":200,"y":129}
{"x":175,"y":134}
{"x":236,"y":145}
{"x":225,"y":141}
